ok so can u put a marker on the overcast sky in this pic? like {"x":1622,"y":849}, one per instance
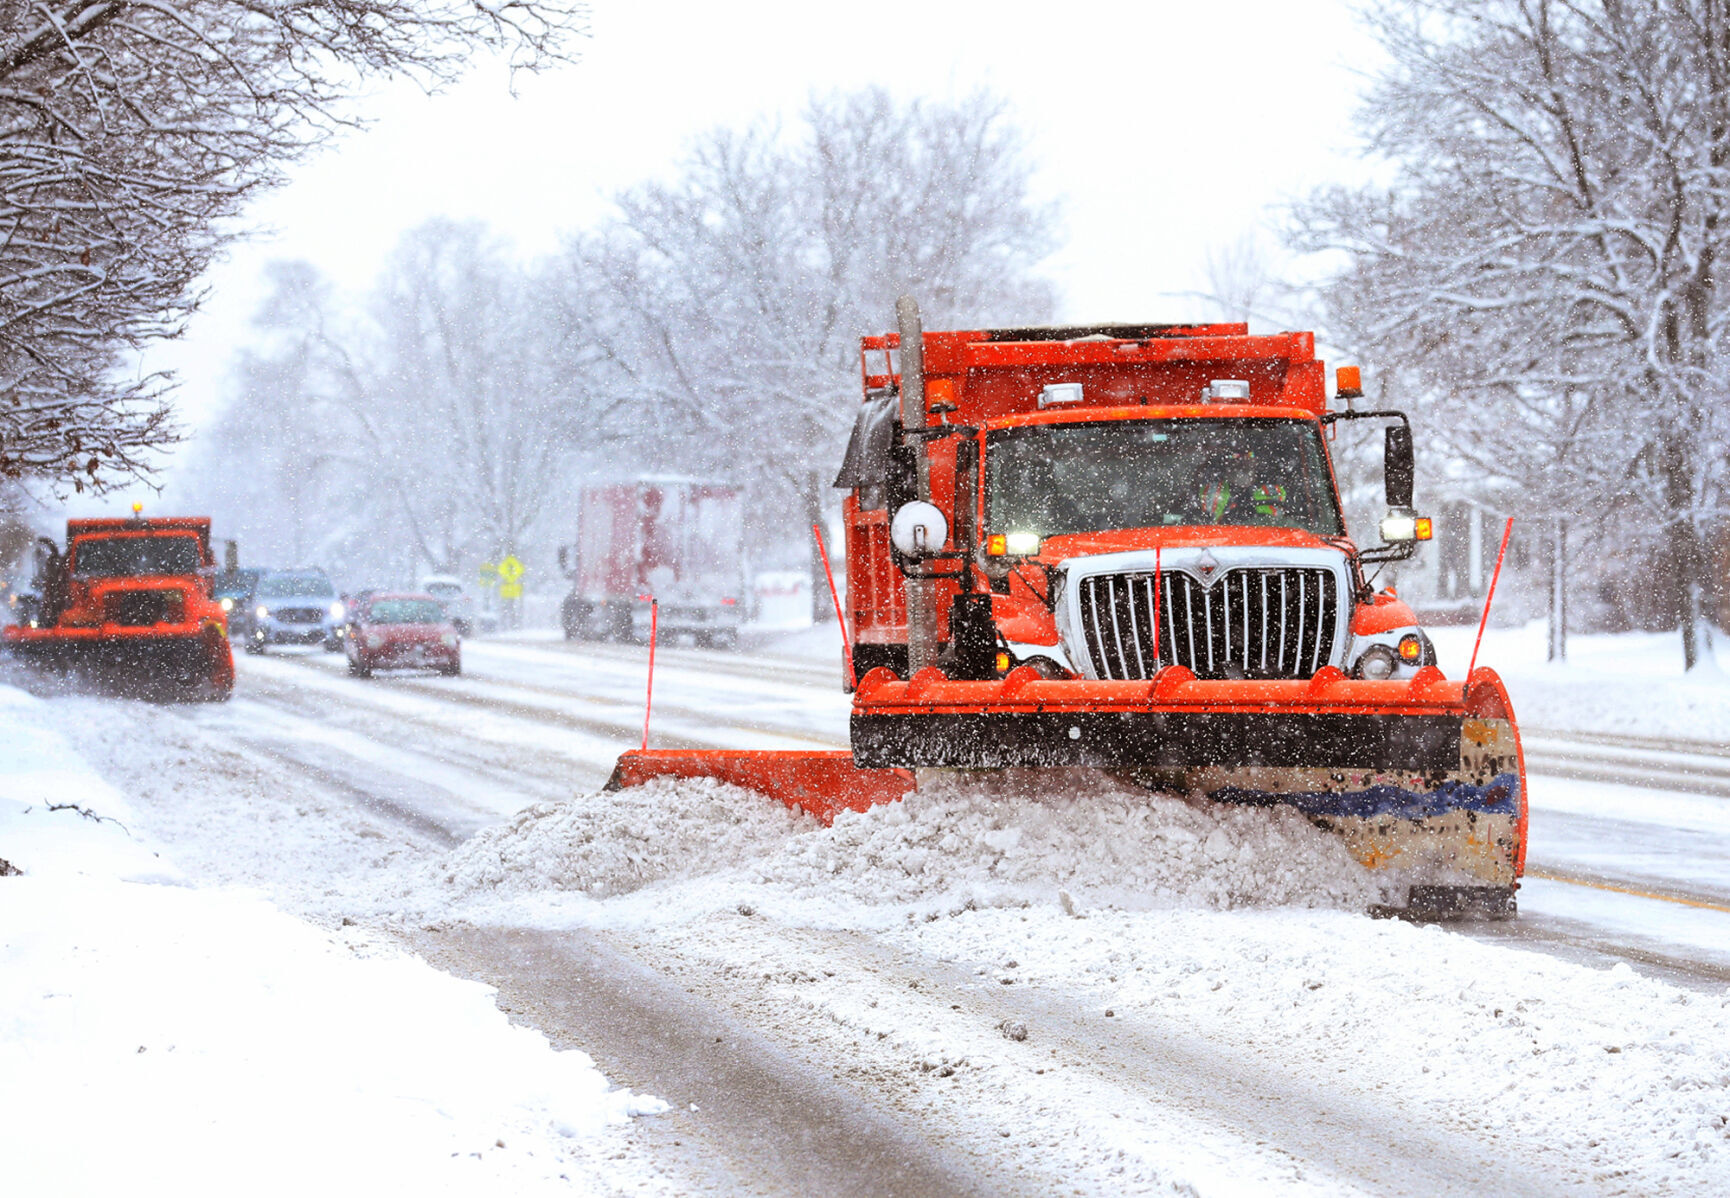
{"x":1166,"y":129}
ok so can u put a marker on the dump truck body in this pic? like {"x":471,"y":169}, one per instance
{"x":676,"y":541}
{"x":129,"y":601}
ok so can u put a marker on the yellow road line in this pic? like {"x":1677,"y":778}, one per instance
{"x":1575,"y":880}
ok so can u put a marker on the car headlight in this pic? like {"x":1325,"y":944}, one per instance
{"x":336,"y":611}
{"x":1377,"y":663}
{"x":227,"y":603}
{"x":262,"y":612}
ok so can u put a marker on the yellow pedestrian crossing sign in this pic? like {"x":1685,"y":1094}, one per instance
{"x":511,"y":570}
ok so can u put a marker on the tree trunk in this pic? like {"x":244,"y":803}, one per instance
{"x":812,"y":501}
{"x":1558,"y":590}
{"x":1686,"y":590}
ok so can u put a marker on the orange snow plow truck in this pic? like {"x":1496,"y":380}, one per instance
{"x":129,"y":603}
{"x":1122,"y":548}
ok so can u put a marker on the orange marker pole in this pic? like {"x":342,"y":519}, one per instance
{"x":649,"y":699}
{"x":1500,"y":554}
{"x":840,"y":616}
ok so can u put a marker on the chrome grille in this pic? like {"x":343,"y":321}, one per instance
{"x":1253,"y":623}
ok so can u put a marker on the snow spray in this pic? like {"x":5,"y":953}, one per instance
{"x":835,"y":598}
{"x":1500,"y":554}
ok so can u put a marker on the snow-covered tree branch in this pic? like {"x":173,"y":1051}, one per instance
{"x":130,"y":134}
{"x":1544,"y":272}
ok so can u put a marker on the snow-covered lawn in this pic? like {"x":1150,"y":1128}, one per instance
{"x":202,"y":1041}
{"x":1630,"y":683}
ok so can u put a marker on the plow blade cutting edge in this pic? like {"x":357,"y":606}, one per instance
{"x":1424,"y":777}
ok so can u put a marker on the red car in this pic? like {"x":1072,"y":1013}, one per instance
{"x":402,"y":631}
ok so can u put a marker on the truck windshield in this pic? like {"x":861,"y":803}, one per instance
{"x":1053,"y":479}
{"x":119,"y":557}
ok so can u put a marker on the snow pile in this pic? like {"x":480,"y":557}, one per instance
{"x":1006,"y":839}
{"x":1027,"y":835}
{"x":203,"y":1036}
{"x":614,"y":842}
{"x":56,"y":816}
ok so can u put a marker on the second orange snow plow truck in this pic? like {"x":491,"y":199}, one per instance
{"x":129,"y":601}
{"x":1122,"y":548}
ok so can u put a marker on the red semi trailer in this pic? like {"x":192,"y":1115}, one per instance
{"x":676,"y":541}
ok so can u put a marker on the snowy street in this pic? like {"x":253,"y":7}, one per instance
{"x":1027,"y":991}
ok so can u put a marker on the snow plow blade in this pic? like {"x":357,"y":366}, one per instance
{"x":822,"y":784}
{"x":1424,"y":776}
{"x":195,"y":668}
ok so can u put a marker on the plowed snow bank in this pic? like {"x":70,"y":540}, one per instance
{"x":1006,"y":839}
{"x":614,"y":842}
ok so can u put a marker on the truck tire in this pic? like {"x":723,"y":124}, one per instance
{"x":574,"y":615}
{"x":619,"y":627}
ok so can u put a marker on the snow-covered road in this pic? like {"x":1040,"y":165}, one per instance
{"x":995,"y":1027}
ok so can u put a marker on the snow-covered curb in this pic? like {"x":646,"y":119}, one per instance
{"x":152,"y":1030}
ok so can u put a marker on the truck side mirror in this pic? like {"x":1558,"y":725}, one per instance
{"x":1399,"y":466}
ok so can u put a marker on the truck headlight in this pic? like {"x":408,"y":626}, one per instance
{"x":227,"y":603}
{"x":1400,"y":527}
{"x":262,"y":612}
{"x":336,"y":611}
{"x":1012,"y":544}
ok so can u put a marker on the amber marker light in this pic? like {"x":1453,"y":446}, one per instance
{"x":1425,"y":528}
{"x":1411,"y":648}
{"x":1348,"y":383}
{"x":997,"y":545}
{"x":1002,"y":663}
